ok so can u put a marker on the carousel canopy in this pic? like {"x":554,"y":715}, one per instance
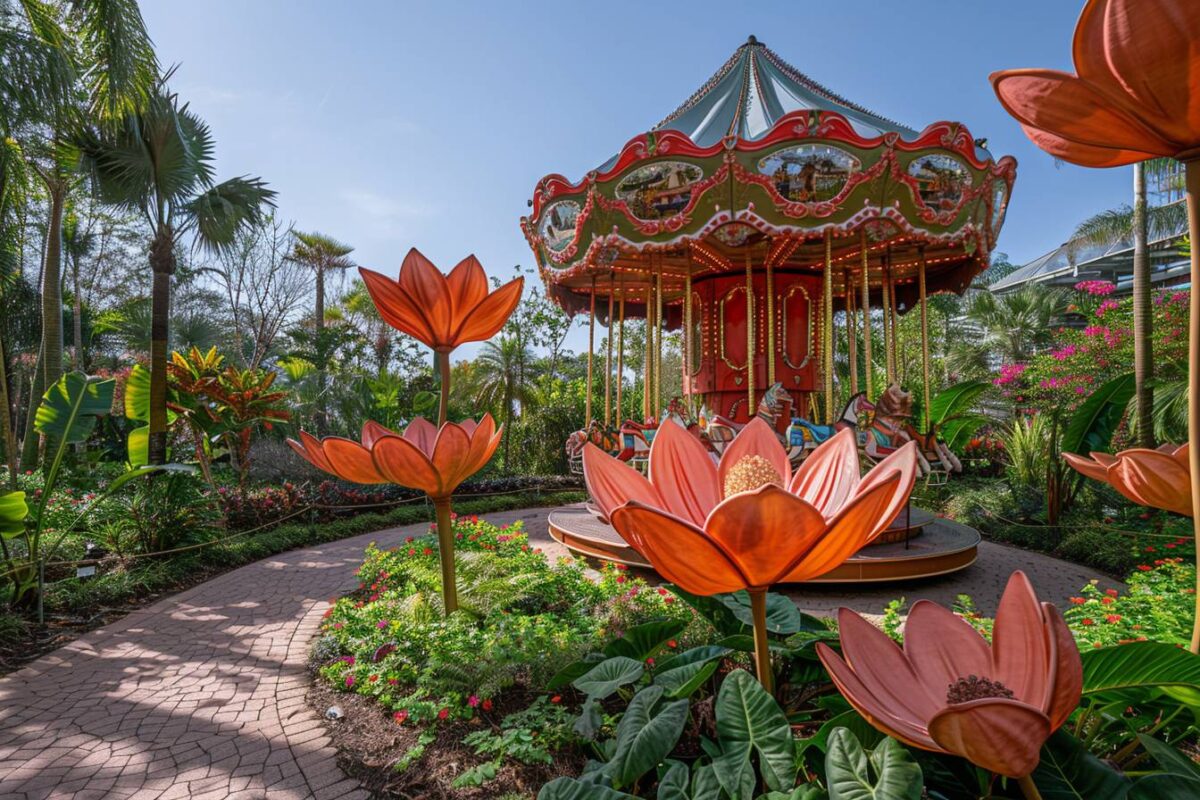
{"x":762,"y":164}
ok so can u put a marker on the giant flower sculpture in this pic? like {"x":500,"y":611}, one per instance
{"x":432,"y":460}
{"x":1156,"y":478}
{"x":948,"y":691}
{"x":1135,"y":96}
{"x":442,"y":311}
{"x":748,"y":522}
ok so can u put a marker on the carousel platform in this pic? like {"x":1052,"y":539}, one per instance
{"x":917,"y":545}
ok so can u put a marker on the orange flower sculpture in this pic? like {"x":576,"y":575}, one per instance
{"x":432,"y":460}
{"x":1135,"y":96}
{"x":948,"y":691}
{"x":748,"y":522}
{"x":1157,"y":478}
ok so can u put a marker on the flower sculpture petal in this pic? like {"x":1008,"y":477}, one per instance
{"x":747,"y":523}
{"x":1136,"y":94}
{"x":442,"y":311}
{"x":949,"y":691}
{"x":1157,"y":478}
{"x":432,"y":460}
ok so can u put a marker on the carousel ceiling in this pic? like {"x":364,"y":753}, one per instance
{"x":760,"y":165}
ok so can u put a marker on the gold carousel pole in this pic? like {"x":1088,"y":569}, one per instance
{"x":889,"y":366}
{"x":751,"y":409}
{"x":895,"y":319}
{"x":868,"y":365}
{"x":687,"y":337}
{"x":924,"y":334}
{"x":591,"y":348}
{"x":658,"y":342}
{"x":851,"y":332}
{"x":770,"y":321}
{"x":620,"y":349}
{"x":608,"y":358}
{"x":827,"y":327}
{"x":648,"y":369}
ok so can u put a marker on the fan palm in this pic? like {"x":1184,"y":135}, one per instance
{"x":159,"y":161}
{"x":1144,"y":224}
{"x":1013,"y":326}
{"x":500,"y":380}
{"x":322,"y":254}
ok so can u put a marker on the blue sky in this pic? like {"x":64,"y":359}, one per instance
{"x":394,"y":124}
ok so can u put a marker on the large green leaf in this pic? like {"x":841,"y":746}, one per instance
{"x":138,"y":446}
{"x":731,"y":614}
{"x":1068,"y":771}
{"x":608,"y":676}
{"x":685,"y":673}
{"x":673,"y":783}
{"x":137,"y":394}
{"x":889,"y":773}
{"x":1169,"y":759}
{"x":643,"y":641}
{"x":645,"y":735}
{"x":13,"y":511}
{"x":955,"y":401}
{"x":574,"y":789}
{"x":1092,"y":425}
{"x":850,"y":720}
{"x":957,"y":431}
{"x":1165,"y":787}
{"x":70,"y":407}
{"x":749,"y":720}
{"x":575,"y":669}
{"x":1142,"y":665}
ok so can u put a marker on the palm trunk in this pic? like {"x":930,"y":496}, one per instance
{"x":1143,"y":332}
{"x":30,"y":438}
{"x":6,"y":428}
{"x":162,"y":263}
{"x":319,"y":322}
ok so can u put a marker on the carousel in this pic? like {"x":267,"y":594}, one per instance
{"x":747,"y":220}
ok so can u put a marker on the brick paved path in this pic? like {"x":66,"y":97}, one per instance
{"x":201,"y":695}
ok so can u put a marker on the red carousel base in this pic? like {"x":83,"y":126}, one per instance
{"x":917,"y":545}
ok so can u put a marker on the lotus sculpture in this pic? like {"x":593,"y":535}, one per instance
{"x":748,"y":522}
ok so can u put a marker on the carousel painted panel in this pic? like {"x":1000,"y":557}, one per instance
{"x":796,"y":331}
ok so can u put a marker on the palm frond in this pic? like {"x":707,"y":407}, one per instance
{"x":123,"y":68}
{"x":37,"y":68}
{"x":218,"y":214}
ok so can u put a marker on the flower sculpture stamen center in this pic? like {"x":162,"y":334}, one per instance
{"x":973,"y":687}
{"x":750,"y":473}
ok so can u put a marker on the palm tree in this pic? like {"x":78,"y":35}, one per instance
{"x":159,"y":162}
{"x":1011,"y":326}
{"x":501,"y":380}
{"x":1143,"y":224}
{"x":321,"y":254}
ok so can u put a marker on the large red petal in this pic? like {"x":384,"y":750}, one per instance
{"x":487,"y":318}
{"x":404,"y":464}
{"x":943,"y":647}
{"x":468,"y":285}
{"x":1000,"y":735}
{"x":1087,"y":466}
{"x":309,"y":448}
{"x":1143,"y":54}
{"x":683,"y":474}
{"x":757,"y":439}
{"x":1062,"y":104}
{"x":452,"y":456}
{"x":426,"y":285}
{"x":765,"y":531}
{"x":848,"y":532}
{"x":397,"y":308}
{"x":423,"y":434}
{"x":1021,"y":657}
{"x":903,"y":464}
{"x":1085,"y":155}
{"x":350,"y":461}
{"x":372,"y":431}
{"x":873,"y":710}
{"x":613,"y":483}
{"x":829,"y":476}
{"x":1067,"y":685}
{"x":679,"y":552}
{"x":882,"y":667}
{"x":1153,"y":479}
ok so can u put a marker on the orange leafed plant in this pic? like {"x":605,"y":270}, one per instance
{"x":1156,"y":478}
{"x":948,"y":691}
{"x":748,"y":522}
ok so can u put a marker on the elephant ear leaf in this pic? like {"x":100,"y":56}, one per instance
{"x":1094,"y":422}
{"x":888,"y":773}
{"x":749,"y":720}
{"x":70,"y":407}
{"x":13,"y":511}
{"x":645,"y":735}
{"x":137,"y":394}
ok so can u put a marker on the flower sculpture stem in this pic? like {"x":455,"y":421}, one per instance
{"x":762,"y":653}
{"x":1029,"y":788}
{"x":1192,"y":177}
{"x":445,"y":534}
{"x":443,"y":363}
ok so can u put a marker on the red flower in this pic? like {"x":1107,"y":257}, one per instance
{"x":428,"y":551}
{"x":1111,"y":592}
{"x":1087,"y":621}
{"x":487,"y":704}
{"x":400,"y":716}
{"x":1113,"y":618}
{"x":556,"y":699}
{"x":1078,"y":601}
{"x":445,"y":712}
{"x":1144,"y":567}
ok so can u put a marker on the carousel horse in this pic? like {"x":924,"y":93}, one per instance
{"x":636,"y":437}
{"x":595,"y":433}
{"x":775,"y":409}
{"x":809,"y":435}
{"x":892,"y":426}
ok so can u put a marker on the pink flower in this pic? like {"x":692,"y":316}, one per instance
{"x":349,"y":681}
{"x":383,"y":623}
{"x":473,"y":701}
